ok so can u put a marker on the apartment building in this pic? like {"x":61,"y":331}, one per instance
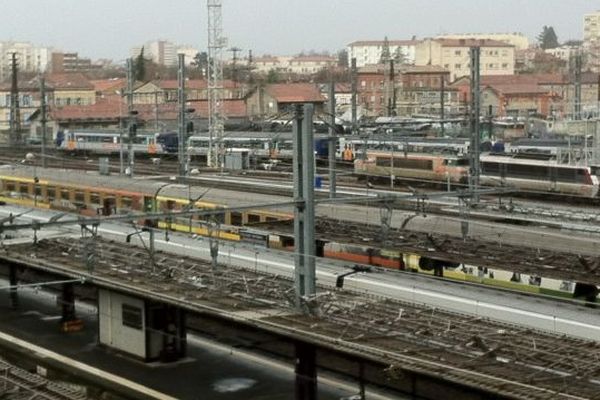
{"x":591,"y":40}
{"x":298,"y":65}
{"x":368,"y":52}
{"x":496,"y":58}
{"x":30,"y":58}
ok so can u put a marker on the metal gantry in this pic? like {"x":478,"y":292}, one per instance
{"x":216,"y":116}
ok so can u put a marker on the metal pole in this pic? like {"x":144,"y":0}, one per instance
{"x":181,"y":100}
{"x":475,"y":128}
{"x":332,"y":139}
{"x":578,"y":66}
{"x":121,"y":157}
{"x":156,"y":127}
{"x":298,"y":170}
{"x":308,"y":186}
{"x":353,"y":78}
{"x":130,"y":152}
{"x":442,"y":105}
{"x":44,"y":119}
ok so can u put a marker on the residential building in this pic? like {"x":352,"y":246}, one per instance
{"x":519,"y":100}
{"x":297,"y":65}
{"x":70,"y":62}
{"x":308,"y":65}
{"x":275,"y":99}
{"x":165,"y":91}
{"x":62,"y":90}
{"x":496,"y":58}
{"x":518,"y":40}
{"x":265,"y":64}
{"x":591,"y":40}
{"x":563,"y":52}
{"x":30,"y":58}
{"x":414,"y":90}
{"x":369,"y":52}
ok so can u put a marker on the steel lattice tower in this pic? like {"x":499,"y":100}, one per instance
{"x":216,"y":117}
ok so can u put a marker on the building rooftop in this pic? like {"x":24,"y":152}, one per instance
{"x":381,"y":42}
{"x":467,"y":42}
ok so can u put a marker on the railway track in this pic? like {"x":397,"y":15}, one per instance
{"x":475,"y":352}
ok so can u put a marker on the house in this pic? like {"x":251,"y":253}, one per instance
{"x":275,"y":99}
{"x":166,"y":91}
{"x":519,"y":100}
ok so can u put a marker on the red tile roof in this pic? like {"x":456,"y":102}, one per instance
{"x":69,"y":81}
{"x":519,"y":89}
{"x":107,"y":108}
{"x":109,"y":85}
{"x":295,"y":93}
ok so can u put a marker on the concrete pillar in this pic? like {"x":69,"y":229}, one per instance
{"x":13,"y":282}
{"x":69,"y":321}
{"x":306,"y":371}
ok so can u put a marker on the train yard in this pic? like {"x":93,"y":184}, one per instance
{"x":403,"y":344}
{"x":494,"y":358}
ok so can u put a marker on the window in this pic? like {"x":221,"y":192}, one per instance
{"x":51,"y":192}
{"x":457,"y":52}
{"x":253,"y":218}
{"x":126,"y":202}
{"x":10,"y":186}
{"x":94,"y":198}
{"x":131,"y":316}
{"x":79,"y":198}
{"x":64,"y":194}
{"x":457,"y":66}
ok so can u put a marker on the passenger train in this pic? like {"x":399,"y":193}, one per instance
{"x":89,"y":197}
{"x":522,"y":174}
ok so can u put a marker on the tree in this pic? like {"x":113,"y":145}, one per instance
{"x":547,"y":38}
{"x":399,"y":56}
{"x":139,"y":67}
{"x":201,"y":62}
{"x":385,"y":51}
{"x":273,"y":76}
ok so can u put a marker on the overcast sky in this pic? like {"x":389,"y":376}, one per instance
{"x":108,"y":28}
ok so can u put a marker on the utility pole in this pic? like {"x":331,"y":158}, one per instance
{"x":15,"y":110}
{"x":156,"y":127}
{"x":44,"y":120}
{"x":475,"y":145}
{"x":332,"y":138}
{"x":353,"y":80}
{"x":182,"y":110}
{"x":216,"y":43}
{"x":234,"y":73}
{"x":130,"y":115}
{"x":392,"y":89}
{"x":578,"y":66}
{"x":442,"y":105}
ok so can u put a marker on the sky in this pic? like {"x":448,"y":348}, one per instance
{"x":109,"y":28}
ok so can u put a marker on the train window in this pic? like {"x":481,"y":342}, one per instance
{"x":253,"y":218}
{"x":38,"y":190}
{"x":236,"y":218}
{"x":79,"y":198}
{"x":126,"y":202}
{"x":51,"y":191}
{"x":412,"y":163}
{"x":23,"y":188}
{"x":94,"y":198}
{"x":10,"y":187}
{"x":271,"y":219}
{"x":383,"y":162}
{"x":64,"y":194}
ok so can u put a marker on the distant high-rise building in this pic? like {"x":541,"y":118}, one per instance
{"x":591,"y":40}
{"x":161,"y":52}
{"x":30,"y":58}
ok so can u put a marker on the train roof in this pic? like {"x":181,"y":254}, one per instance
{"x":400,"y":154}
{"x":527,"y":161}
{"x":141,"y":185}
